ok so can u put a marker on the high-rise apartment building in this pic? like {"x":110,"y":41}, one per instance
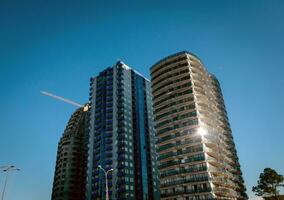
{"x":121,"y":136}
{"x":70,"y":170}
{"x":197,"y":158}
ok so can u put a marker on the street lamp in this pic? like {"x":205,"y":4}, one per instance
{"x":7,"y":169}
{"x":106,"y":173}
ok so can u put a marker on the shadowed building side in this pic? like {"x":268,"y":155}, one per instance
{"x":70,"y":171}
{"x":122,"y":136}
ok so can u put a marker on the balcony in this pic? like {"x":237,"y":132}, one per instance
{"x":187,"y":191}
{"x":185,"y":181}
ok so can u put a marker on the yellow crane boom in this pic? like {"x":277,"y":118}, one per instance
{"x":61,"y":98}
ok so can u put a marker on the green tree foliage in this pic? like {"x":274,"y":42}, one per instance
{"x":268,"y":184}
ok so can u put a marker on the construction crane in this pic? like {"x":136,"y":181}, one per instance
{"x":85,"y":107}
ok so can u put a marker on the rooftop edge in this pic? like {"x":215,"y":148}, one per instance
{"x":173,"y":55}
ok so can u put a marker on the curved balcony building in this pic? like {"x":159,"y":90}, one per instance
{"x":70,"y":170}
{"x":197,"y":158}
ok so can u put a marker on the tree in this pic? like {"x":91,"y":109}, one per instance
{"x":268,"y":184}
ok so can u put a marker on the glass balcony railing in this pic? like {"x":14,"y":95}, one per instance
{"x":185,"y":180}
{"x":187,"y":191}
{"x":182,"y":171}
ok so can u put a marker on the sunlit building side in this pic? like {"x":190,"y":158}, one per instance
{"x":197,"y":158}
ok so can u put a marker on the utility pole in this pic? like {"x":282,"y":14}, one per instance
{"x":7,"y":170}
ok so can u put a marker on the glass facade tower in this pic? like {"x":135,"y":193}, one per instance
{"x":121,"y":136}
{"x":197,"y":158}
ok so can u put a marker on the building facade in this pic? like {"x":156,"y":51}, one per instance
{"x":121,"y":136}
{"x":70,"y":170}
{"x":197,"y":158}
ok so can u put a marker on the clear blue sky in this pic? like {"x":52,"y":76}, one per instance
{"x":58,"y":45}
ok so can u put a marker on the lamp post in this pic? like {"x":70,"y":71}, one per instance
{"x":106,"y":173}
{"x":7,"y":169}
